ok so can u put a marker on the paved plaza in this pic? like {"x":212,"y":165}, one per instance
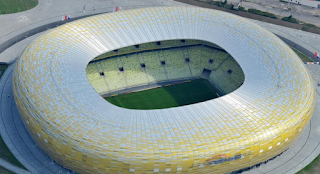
{"x":303,"y":13}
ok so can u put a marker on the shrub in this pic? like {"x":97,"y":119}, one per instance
{"x":241,"y":8}
{"x":308,"y":27}
{"x":290,"y":19}
{"x":228,"y":6}
{"x":262,"y":13}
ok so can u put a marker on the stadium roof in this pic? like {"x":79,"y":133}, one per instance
{"x":80,"y":130}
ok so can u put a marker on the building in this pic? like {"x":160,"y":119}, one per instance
{"x":78,"y":129}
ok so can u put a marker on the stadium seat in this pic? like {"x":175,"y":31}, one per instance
{"x":226,"y":73}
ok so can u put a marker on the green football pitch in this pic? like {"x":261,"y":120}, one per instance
{"x":167,"y":96}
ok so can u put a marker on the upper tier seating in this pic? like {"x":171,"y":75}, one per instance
{"x":153,"y":67}
{"x":141,"y":68}
{"x":133,"y":72}
{"x":176,"y":66}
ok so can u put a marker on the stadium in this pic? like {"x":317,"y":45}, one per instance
{"x":244,"y":102}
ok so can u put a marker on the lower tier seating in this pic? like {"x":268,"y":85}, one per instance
{"x":167,"y":64}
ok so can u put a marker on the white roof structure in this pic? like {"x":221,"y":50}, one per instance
{"x":80,"y":130}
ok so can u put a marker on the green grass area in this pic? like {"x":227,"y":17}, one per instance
{"x":167,"y":96}
{"x":15,"y":6}
{"x":5,"y":171}
{"x":283,"y":1}
{"x":2,"y":69}
{"x":313,"y":167}
{"x":8,"y":156}
{"x":290,"y":19}
{"x":262,"y":13}
{"x":4,"y":151}
{"x":303,"y":57}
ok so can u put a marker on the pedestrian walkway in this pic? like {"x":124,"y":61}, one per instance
{"x":298,"y":39}
{"x":297,"y":11}
{"x":54,"y":10}
{"x":49,"y":14}
{"x":304,"y":150}
{"x":16,"y":136}
{"x":12,"y":168}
